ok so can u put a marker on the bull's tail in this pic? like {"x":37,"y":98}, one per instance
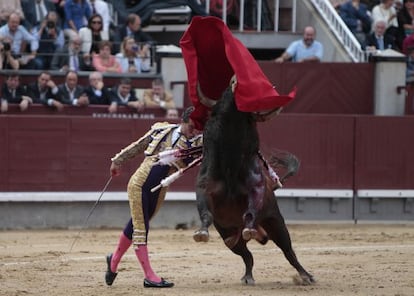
{"x":285,"y":161}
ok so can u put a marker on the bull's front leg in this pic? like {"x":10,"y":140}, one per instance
{"x":256,"y":184}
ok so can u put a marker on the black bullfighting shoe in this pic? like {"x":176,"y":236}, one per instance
{"x":162,"y":284}
{"x":109,"y":275}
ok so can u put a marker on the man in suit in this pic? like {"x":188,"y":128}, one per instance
{"x":132,"y":28}
{"x":71,"y":92}
{"x":44,"y":91}
{"x":14,"y":93}
{"x":124,"y":95}
{"x":35,"y":11}
{"x":158,"y":96}
{"x":379,"y":40}
{"x":70,"y":57}
{"x":97,"y":93}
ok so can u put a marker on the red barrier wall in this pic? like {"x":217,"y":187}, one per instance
{"x":329,"y":88}
{"x":72,"y":153}
{"x":384,"y":152}
{"x":326,"y":155}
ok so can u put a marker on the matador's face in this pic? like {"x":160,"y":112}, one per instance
{"x":188,"y":129}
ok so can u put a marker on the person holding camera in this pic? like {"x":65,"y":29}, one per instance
{"x":130,"y":57}
{"x":18,"y":37}
{"x":50,"y":37}
{"x":7,"y":60}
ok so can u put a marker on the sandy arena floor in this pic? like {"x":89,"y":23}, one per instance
{"x":345,"y":260}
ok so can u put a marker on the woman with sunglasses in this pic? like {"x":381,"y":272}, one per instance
{"x":93,"y":34}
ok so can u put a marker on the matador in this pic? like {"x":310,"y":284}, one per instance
{"x":144,"y":202}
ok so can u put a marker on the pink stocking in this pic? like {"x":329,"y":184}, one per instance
{"x":123,"y":246}
{"x":142,"y":255}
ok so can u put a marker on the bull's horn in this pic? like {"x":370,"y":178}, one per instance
{"x":233,"y":83}
{"x":264,"y":116}
{"x":203,"y":99}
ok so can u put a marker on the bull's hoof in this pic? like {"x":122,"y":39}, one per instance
{"x":303,"y":279}
{"x":201,"y":236}
{"x":249,"y":233}
{"x":247,"y":280}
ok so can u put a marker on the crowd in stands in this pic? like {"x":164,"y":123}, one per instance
{"x":71,"y":36}
{"x":380,"y":25}
{"x":70,"y":93}
{"x":79,"y":35}
{"x":377,"y":25}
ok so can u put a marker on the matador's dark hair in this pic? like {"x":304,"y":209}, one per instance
{"x":186,"y":114}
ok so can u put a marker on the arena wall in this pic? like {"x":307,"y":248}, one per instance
{"x":353,"y":168}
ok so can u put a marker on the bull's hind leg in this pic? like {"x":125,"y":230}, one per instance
{"x":279,"y":234}
{"x":238,"y":246}
{"x":249,"y":231}
{"x":256,"y":183}
{"x":202,"y":235}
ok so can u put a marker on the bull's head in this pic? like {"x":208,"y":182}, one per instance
{"x":260,"y":116}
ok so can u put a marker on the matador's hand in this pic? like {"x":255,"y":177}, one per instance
{"x":115,"y":170}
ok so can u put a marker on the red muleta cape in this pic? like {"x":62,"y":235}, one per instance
{"x":212,"y":55}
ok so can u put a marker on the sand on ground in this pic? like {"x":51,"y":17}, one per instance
{"x":345,"y":259}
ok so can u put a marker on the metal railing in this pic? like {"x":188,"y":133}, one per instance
{"x":323,"y":7}
{"x":340,"y":29}
{"x":259,"y":14}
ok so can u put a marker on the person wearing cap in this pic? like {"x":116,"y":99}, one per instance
{"x":143,"y":202}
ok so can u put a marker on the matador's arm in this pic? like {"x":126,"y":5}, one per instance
{"x":133,"y":149}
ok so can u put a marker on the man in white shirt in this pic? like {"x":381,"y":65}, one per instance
{"x":304,"y":50}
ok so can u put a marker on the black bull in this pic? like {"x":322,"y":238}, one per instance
{"x":234,"y":190}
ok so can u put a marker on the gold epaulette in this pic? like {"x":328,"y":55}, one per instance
{"x":158,"y":132}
